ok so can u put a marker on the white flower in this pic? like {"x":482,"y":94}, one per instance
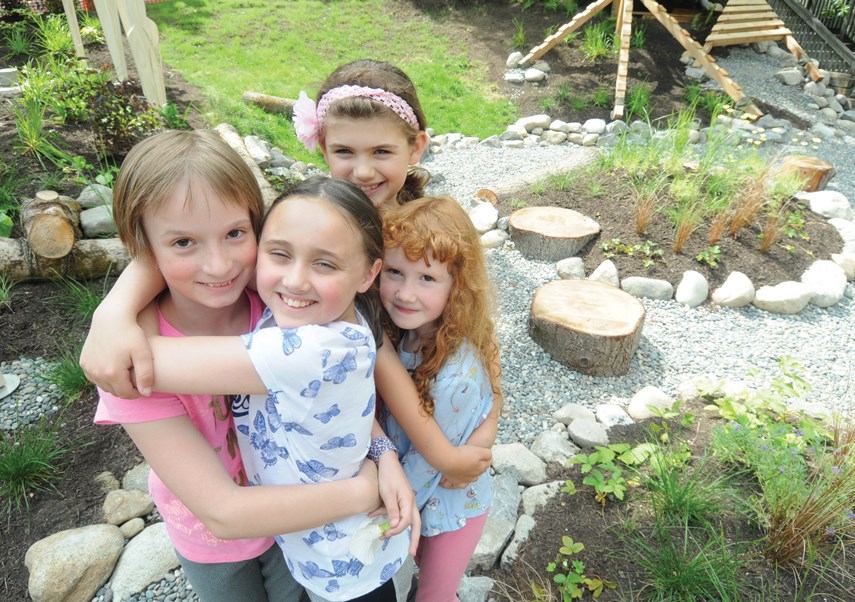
{"x":365,"y":541}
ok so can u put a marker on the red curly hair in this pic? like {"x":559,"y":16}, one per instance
{"x":439,"y":228}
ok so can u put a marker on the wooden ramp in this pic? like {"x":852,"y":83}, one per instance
{"x":623,"y":31}
{"x":749,"y":21}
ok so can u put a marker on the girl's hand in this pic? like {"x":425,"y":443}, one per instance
{"x":470,"y":463}
{"x":398,"y":499}
{"x":119,"y":365}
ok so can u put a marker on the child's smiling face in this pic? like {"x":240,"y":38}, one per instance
{"x":204,"y":247}
{"x":311,"y":263}
{"x":373,"y":153}
{"x":413,"y":292}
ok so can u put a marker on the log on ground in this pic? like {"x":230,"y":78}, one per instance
{"x":51,"y":223}
{"x":90,"y":258}
{"x":588,"y":326}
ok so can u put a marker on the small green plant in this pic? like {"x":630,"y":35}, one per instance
{"x":53,"y":36}
{"x":518,"y":40}
{"x":604,"y":475}
{"x":172,"y":119}
{"x":547,"y":104}
{"x":647,"y":251}
{"x":638,"y":101}
{"x":709,"y":256}
{"x":67,"y":374}
{"x":33,"y":137}
{"x":90,"y":29}
{"x":601,"y":97}
{"x":598,"y":42}
{"x":570,"y":573}
{"x":639,"y":36}
{"x":83,"y":297}
{"x":578,"y":103}
{"x":9,"y":185}
{"x":6,"y":291}
{"x":518,"y":203}
{"x":563,"y":181}
{"x":562,"y":94}
{"x":18,"y":41}
{"x":31,"y":461}
{"x":794,"y":222}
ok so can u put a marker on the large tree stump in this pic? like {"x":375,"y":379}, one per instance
{"x":586,"y":325}
{"x":551,"y":233}
{"x":51,"y":224}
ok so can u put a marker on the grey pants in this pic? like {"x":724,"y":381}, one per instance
{"x":262,"y":579}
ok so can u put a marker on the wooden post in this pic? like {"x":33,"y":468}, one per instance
{"x":143,"y":40}
{"x":71,"y":15}
{"x":108,"y":14}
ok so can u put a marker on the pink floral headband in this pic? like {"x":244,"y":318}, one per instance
{"x":308,"y":117}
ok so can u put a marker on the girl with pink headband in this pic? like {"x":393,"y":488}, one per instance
{"x":371,"y":129}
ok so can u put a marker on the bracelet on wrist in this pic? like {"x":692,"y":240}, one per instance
{"x":379,"y":446}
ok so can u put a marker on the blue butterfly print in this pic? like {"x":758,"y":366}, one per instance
{"x":311,"y":570}
{"x":373,"y":357}
{"x":316,"y":470}
{"x":269,"y":450}
{"x":313,"y":538}
{"x":390,"y":569}
{"x":337,"y":373}
{"x":325,"y":355}
{"x":351,"y":567}
{"x":325,"y":417}
{"x":370,"y":407}
{"x":354,"y":335}
{"x":349,"y":440}
{"x":290,"y":341}
{"x":332,"y":534}
{"x":332,"y":586}
{"x":295,"y":426}
{"x":273,"y":416}
{"x":311,"y":391}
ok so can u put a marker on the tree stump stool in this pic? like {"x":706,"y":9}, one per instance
{"x":588,"y":326}
{"x":815,"y":172}
{"x":551,"y":233}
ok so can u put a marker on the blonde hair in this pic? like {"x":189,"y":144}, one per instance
{"x":438,"y":228}
{"x":157,"y":165}
{"x":378,"y":74}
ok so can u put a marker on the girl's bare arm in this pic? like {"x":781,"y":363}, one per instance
{"x":190,"y":468}
{"x":462,"y":464}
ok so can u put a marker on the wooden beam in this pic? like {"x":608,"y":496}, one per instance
{"x":797,"y":51}
{"x":747,"y":37}
{"x":565,"y":30}
{"x":108,"y":15}
{"x":758,"y":26}
{"x":625,"y":25}
{"x":694,"y":49}
{"x":74,"y":28}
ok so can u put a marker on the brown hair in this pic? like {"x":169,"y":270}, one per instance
{"x":439,"y":227}
{"x":155,"y":166}
{"x":378,"y":74}
{"x":361,"y":212}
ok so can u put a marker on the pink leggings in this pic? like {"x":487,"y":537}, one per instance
{"x":443,"y":558}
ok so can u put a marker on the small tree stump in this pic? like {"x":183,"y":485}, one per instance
{"x":51,"y":223}
{"x":588,"y":326}
{"x":815,"y":172}
{"x":551,"y":233}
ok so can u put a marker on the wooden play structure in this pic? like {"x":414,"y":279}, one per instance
{"x":743,"y":21}
{"x":127,"y":15}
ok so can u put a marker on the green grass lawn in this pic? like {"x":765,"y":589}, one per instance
{"x":227,"y":47}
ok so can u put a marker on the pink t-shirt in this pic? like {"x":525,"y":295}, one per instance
{"x":211,"y":415}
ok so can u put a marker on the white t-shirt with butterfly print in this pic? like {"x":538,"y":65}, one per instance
{"x":315,"y":426}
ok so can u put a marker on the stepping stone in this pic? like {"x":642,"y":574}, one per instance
{"x":551,"y":233}
{"x":588,"y":326}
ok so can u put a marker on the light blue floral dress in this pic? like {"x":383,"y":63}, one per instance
{"x":314,"y":426}
{"x":463,"y":399}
